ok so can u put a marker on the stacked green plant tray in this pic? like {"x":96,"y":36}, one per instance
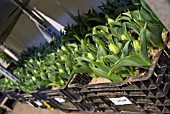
{"x":146,"y":94}
{"x":119,"y":42}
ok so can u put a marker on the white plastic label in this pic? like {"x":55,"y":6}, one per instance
{"x":120,"y":101}
{"x":60,"y":100}
{"x":30,"y":104}
{"x":38,"y":103}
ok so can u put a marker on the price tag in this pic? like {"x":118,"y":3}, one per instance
{"x":120,"y":101}
{"x":60,"y":100}
{"x":38,"y":103}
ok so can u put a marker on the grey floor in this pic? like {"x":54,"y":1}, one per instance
{"x":27,"y":109}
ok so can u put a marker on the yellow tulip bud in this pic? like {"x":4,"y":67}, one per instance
{"x":33,"y":78}
{"x":60,"y":70}
{"x":38,"y":63}
{"x":61,"y":81}
{"x":35,"y":71}
{"x":114,"y":48}
{"x":136,"y":45}
{"x":75,"y":49}
{"x":6,"y":80}
{"x":124,"y":37}
{"x":39,"y":54}
{"x":62,"y":58}
{"x":110,"y":20}
{"x":31,"y":60}
{"x":63,"y":48}
{"x":102,"y":31}
{"x":90,"y":56}
{"x":58,"y":50}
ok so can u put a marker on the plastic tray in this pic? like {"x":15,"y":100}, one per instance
{"x":148,"y":93}
{"x":61,"y":98}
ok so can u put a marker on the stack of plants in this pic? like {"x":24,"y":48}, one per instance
{"x":112,"y":44}
{"x":5,"y":57}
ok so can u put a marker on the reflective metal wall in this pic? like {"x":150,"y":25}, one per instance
{"x":25,"y":33}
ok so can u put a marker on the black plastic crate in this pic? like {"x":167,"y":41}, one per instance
{"x":61,"y":98}
{"x":80,"y":78}
{"x":149,"y":93}
{"x":6,"y":104}
{"x":75,"y":98}
{"x":55,"y":99}
{"x":48,"y":99}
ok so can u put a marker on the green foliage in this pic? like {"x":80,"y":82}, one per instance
{"x":110,"y":44}
{"x":5,"y":57}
